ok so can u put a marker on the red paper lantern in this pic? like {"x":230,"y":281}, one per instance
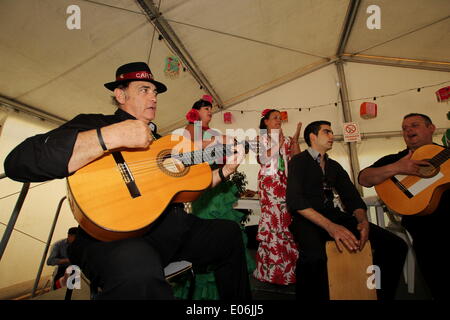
{"x":368,"y":110}
{"x":443,"y":94}
{"x":227,"y":118}
{"x":284,"y":116}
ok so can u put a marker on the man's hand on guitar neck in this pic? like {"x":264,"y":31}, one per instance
{"x":232,"y":163}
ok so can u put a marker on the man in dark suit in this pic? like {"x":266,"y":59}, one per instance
{"x":314,"y":180}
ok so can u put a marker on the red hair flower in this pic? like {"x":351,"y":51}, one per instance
{"x":207,"y":98}
{"x":193,"y":115}
{"x":265,"y":111}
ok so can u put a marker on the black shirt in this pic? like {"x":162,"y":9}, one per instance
{"x":305,"y":185}
{"x":46,"y":156}
{"x":415,"y":221}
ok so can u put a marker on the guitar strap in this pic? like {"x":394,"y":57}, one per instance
{"x":127,"y":176}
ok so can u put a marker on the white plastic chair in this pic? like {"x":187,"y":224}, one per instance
{"x":395,"y":227}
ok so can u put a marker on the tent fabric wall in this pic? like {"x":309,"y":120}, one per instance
{"x":320,"y":88}
{"x":23,"y":254}
{"x":255,"y":54}
{"x":243,"y":47}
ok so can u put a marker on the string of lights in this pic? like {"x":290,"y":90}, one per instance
{"x":338,"y":102}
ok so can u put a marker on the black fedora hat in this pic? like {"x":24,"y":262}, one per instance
{"x":135,"y":71}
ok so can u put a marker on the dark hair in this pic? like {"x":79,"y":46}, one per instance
{"x":201,"y":103}
{"x":122,"y":86}
{"x":426,"y":118}
{"x":73,"y":230}
{"x":262,"y":124}
{"x":313,"y":127}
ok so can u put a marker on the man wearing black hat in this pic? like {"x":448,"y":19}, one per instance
{"x":133,"y":268}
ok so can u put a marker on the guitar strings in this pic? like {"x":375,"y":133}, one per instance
{"x":169,"y":165}
{"x":145,"y":166}
{"x":198,"y":156}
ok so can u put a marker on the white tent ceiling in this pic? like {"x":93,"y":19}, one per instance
{"x":233,"y":49}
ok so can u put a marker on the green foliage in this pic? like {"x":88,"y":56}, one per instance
{"x":240,"y":181}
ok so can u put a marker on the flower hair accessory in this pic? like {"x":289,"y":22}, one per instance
{"x":193,"y":115}
{"x":265,"y":111}
{"x":207,"y":98}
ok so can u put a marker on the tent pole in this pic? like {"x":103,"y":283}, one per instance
{"x":354,"y":162}
{"x":398,"y":62}
{"x":169,"y":35}
{"x":35,"y":112}
{"x":345,"y":35}
{"x":352,"y":10}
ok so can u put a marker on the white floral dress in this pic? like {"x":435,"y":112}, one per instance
{"x":277,"y":252}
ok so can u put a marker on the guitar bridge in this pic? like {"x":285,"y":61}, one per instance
{"x":402,"y":187}
{"x":126,"y":174}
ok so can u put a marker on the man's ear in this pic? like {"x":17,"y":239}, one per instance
{"x":312,"y":137}
{"x":120,"y":95}
{"x":432,"y":128}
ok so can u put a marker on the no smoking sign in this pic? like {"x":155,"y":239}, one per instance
{"x":351,"y":132}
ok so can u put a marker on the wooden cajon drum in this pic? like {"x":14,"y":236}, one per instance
{"x":347,"y":273}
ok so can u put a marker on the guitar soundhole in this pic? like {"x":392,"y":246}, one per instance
{"x":428,"y":171}
{"x":171,"y":166}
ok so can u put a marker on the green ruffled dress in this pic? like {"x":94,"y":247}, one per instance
{"x":215,"y":203}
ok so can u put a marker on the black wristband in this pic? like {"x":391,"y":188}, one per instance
{"x":100,"y":140}
{"x":222,"y":177}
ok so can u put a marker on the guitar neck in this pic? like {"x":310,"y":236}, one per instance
{"x":212,"y":154}
{"x":440,"y":158}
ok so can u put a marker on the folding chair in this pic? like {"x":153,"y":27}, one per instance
{"x":395,"y":227}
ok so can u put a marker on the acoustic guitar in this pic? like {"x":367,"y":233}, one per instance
{"x":120,"y":194}
{"x":411,"y":195}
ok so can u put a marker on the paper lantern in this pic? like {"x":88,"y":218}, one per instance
{"x":368,"y":110}
{"x":443,"y":94}
{"x":284,"y":116}
{"x":227,"y":118}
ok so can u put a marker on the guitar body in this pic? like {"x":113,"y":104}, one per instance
{"x":114,"y":201}
{"x":423,"y":194}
